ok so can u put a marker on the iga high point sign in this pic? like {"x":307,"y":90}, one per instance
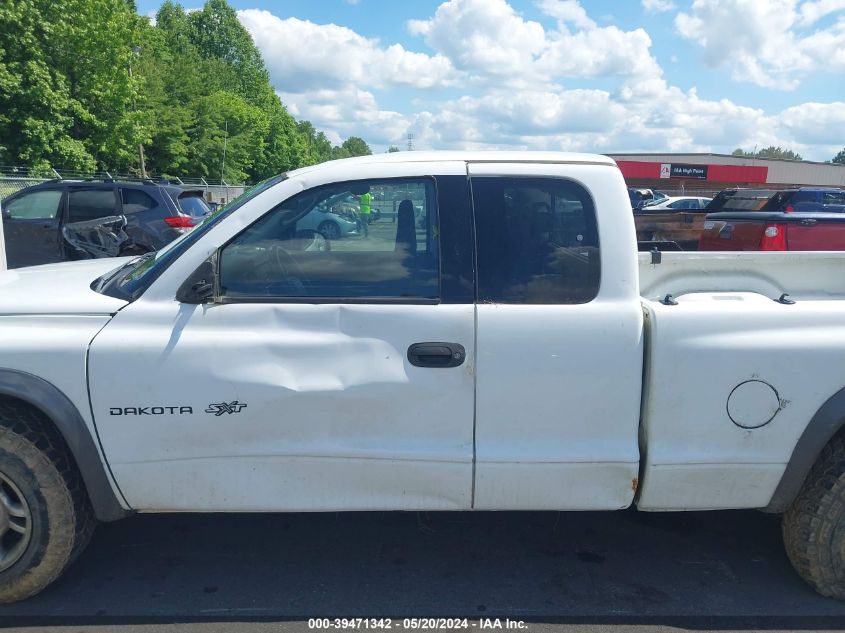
{"x":684,"y":171}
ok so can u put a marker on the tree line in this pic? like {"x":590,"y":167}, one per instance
{"x":91,"y":85}
{"x":779,"y":152}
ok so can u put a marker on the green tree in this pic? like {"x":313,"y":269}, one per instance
{"x":218,"y":34}
{"x":68,"y":104}
{"x":318,"y":148}
{"x":169,"y":89}
{"x":226,"y":120}
{"x":108,"y":80}
{"x":778,"y":152}
{"x":839,"y":158}
{"x":356,"y":146}
{"x":392,"y":149}
{"x":285,"y":149}
{"x":769,"y":152}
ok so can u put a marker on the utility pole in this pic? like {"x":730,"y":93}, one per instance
{"x":225,"y":138}
{"x":136,"y":51}
{"x":2,"y":242}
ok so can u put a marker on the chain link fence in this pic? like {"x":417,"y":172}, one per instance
{"x":15,"y":178}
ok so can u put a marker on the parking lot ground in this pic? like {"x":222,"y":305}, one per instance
{"x":724,"y":570}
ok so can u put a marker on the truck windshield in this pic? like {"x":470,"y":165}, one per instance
{"x":130,"y":280}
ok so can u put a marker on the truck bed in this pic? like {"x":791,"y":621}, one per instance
{"x":732,"y":376}
{"x":802,"y":275}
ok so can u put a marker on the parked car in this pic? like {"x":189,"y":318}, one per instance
{"x":805,"y":219}
{"x":331,"y":223}
{"x":522,"y":358}
{"x":63,"y":220}
{"x":334,"y":218}
{"x":676,"y":203}
{"x":640,"y":197}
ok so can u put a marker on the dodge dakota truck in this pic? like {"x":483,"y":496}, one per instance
{"x":500,"y":346}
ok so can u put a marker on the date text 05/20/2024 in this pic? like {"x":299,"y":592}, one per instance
{"x":422,"y":624}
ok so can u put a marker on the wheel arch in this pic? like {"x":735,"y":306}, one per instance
{"x":823,"y":427}
{"x":66,"y":419}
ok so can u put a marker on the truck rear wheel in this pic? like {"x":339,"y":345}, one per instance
{"x":814,"y":526}
{"x":45,"y":515}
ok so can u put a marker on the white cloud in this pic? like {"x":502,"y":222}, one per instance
{"x":303,"y":54}
{"x":762,"y":42}
{"x":348,"y":111}
{"x":813,"y":123}
{"x":651,"y":117}
{"x":504,"y":77}
{"x":814,"y":10}
{"x":658,"y":6}
{"x":599,"y":52}
{"x":489,"y":39}
{"x":566,"y":11}
{"x":484,"y":36}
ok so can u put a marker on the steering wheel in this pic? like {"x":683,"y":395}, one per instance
{"x":290,"y":271}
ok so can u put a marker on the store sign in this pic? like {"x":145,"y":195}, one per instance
{"x":686,"y":171}
{"x":665,"y":170}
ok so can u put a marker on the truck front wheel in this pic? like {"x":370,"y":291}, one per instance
{"x":814,"y":526}
{"x":45,"y":515}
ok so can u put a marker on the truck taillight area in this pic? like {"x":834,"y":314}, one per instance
{"x":774,"y":238}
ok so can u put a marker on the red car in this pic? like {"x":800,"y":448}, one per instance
{"x":806,"y":219}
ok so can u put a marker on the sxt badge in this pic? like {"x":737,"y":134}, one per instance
{"x":219,"y":408}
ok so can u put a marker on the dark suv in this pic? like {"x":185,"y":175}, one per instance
{"x":63,"y":220}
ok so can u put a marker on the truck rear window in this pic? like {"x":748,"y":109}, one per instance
{"x":739,"y":200}
{"x":537,"y":241}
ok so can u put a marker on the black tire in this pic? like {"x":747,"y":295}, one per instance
{"x":37,"y":466}
{"x":814,"y":526}
{"x":330,"y":230}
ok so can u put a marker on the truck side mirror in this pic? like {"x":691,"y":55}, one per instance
{"x":199,"y":286}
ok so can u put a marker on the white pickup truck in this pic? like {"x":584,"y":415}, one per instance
{"x":492,"y":343}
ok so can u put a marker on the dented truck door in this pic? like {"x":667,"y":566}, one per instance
{"x":327,"y":374}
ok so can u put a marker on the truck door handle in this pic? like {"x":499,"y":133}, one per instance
{"x":809,"y":222}
{"x":436,"y":354}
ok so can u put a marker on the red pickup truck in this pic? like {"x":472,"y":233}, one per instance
{"x":806,"y":219}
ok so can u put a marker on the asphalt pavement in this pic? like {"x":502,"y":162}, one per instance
{"x":697,"y":570}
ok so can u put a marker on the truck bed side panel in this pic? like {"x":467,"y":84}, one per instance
{"x":733,"y":379}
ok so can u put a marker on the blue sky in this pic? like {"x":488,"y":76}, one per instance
{"x":594,"y":75}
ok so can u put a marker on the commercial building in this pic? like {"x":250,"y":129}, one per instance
{"x":694,"y":174}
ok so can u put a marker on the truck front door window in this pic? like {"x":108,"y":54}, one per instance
{"x":367,"y":239}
